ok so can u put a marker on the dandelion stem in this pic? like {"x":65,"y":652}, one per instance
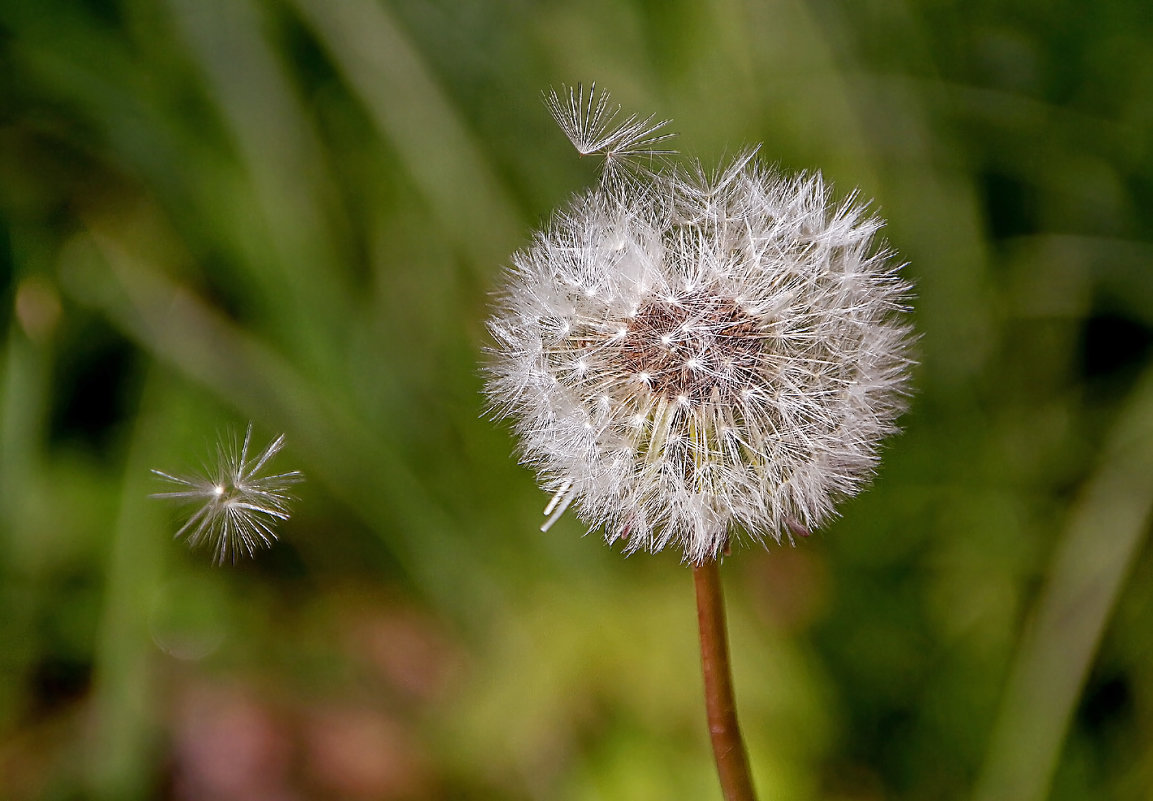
{"x":728,"y":747}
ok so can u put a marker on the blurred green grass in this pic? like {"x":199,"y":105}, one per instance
{"x":291,"y":211}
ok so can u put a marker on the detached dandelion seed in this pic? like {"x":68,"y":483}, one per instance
{"x":690,"y":357}
{"x":592,"y":124}
{"x":238,"y":506}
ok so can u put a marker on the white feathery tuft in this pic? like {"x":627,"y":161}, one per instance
{"x":591,"y":123}
{"x":693,"y":354}
{"x":239,"y":507}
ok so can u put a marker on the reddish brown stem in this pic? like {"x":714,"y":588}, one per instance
{"x":728,"y":748}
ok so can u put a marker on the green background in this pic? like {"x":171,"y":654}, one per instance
{"x":292,"y":212}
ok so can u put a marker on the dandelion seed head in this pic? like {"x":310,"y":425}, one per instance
{"x":239,"y":501}
{"x":744,"y":353}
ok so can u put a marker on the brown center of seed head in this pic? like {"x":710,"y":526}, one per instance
{"x":693,"y":348}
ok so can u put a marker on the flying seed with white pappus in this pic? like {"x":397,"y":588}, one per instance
{"x":239,"y":504}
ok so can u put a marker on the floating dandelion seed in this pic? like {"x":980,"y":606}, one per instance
{"x":689,"y":355}
{"x":591,"y":123}
{"x":239,"y":506}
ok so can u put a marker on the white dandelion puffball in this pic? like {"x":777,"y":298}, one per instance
{"x":687,"y":355}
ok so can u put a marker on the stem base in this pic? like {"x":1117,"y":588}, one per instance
{"x":724,"y":731}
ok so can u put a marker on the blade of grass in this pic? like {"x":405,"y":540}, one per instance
{"x":282,"y":158}
{"x":121,"y":742}
{"x":26,"y":373}
{"x":417,"y":117}
{"x":1106,"y":527}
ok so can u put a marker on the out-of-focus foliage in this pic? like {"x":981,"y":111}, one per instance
{"x":290,"y":211}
